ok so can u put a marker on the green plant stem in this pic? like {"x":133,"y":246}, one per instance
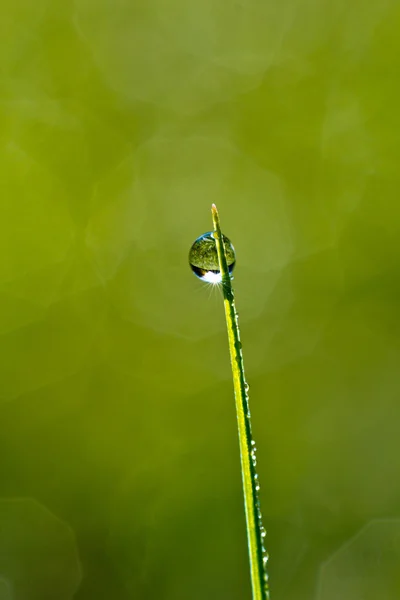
{"x":255,"y":530}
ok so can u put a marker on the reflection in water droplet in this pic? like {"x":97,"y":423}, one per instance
{"x":203,"y":258}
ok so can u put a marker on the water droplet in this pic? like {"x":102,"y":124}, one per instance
{"x":203,"y":257}
{"x":253,"y":443}
{"x":263,"y":532}
{"x":246,"y":386}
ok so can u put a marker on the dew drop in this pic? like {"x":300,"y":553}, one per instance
{"x":203,"y":258}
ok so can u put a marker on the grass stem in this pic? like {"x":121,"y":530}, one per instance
{"x":255,"y":530}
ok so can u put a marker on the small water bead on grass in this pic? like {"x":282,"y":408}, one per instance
{"x":203,"y":258}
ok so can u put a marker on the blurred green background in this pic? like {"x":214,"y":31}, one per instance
{"x":121,"y":121}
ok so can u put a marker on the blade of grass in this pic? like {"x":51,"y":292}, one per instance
{"x":255,"y":530}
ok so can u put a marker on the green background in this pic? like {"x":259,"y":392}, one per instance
{"x":121,"y":121}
